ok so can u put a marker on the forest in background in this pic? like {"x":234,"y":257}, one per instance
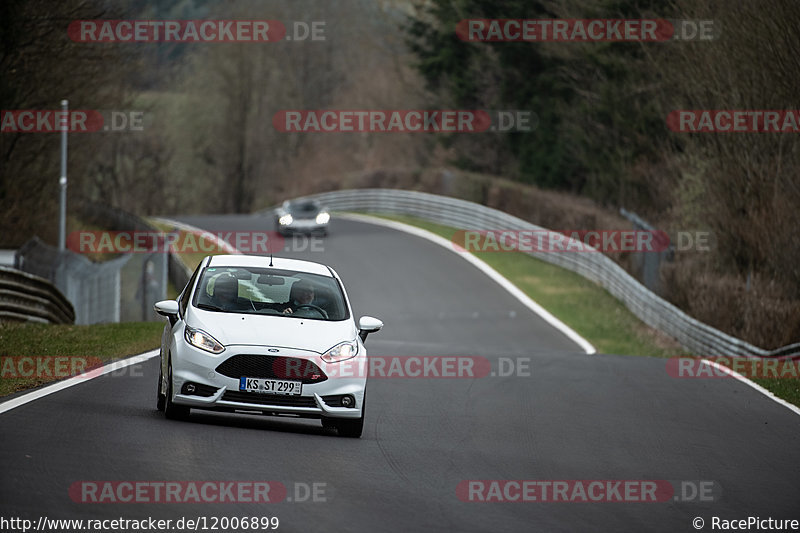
{"x":208,"y":144}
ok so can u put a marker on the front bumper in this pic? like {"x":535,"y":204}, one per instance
{"x":303,"y":226}
{"x":217,"y":403}
{"x":221,"y":393}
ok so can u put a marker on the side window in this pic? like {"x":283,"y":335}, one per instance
{"x":187,"y":292}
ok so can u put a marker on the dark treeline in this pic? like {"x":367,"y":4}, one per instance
{"x":602,"y":132}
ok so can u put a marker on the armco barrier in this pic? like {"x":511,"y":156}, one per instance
{"x":28,"y":298}
{"x":695,"y":336}
{"x":120,"y":289}
{"x":116,"y":219}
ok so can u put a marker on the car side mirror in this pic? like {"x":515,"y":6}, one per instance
{"x":167,"y":308}
{"x":367,"y":325}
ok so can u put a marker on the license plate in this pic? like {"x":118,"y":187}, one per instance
{"x":270,"y":386}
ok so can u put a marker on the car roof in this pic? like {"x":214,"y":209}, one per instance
{"x":263,"y":262}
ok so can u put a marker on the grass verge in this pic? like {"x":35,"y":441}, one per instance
{"x":785,"y":388}
{"x":86,"y":346}
{"x":587,"y":308}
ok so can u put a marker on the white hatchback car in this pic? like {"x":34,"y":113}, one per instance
{"x":256,"y":335}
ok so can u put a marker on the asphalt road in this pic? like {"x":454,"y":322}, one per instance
{"x":575,"y":417}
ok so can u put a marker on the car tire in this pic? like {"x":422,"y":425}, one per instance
{"x":161,"y":400}
{"x":172,"y":410}
{"x":352,"y":428}
{"x":328,"y":423}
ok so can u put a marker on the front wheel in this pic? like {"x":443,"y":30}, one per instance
{"x":161,"y":400}
{"x":352,"y":428}
{"x":172,"y":410}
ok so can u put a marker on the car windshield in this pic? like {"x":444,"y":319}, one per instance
{"x":270,"y":291}
{"x":303,"y":208}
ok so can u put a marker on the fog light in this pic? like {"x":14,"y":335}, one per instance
{"x":348,"y":401}
{"x":190,"y":388}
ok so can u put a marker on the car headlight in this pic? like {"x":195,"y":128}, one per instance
{"x":285,"y":220}
{"x":200,"y":339}
{"x":341,"y":352}
{"x":323,"y":218}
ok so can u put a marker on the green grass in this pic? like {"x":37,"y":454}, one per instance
{"x":86,"y":344}
{"x":787,"y":388}
{"x":587,"y":308}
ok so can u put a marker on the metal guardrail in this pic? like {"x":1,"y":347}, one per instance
{"x":106,"y":216}
{"x":697,"y":337}
{"x":119,"y":289}
{"x":93,"y":289}
{"x":28,"y":298}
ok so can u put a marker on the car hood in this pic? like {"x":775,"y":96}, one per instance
{"x":255,"y":330}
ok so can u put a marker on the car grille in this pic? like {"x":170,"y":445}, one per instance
{"x":269,"y":399}
{"x":272,"y":367}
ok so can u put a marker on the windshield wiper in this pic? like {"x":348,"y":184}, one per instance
{"x":210,"y":307}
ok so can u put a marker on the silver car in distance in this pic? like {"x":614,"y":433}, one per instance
{"x":302,"y":216}
{"x":255,"y":335}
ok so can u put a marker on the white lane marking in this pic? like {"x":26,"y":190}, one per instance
{"x":82,"y":378}
{"x":486,"y":269}
{"x":756,"y":386}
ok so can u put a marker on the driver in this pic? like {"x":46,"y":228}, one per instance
{"x":226,"y":292}
{"x":302,"y":293}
